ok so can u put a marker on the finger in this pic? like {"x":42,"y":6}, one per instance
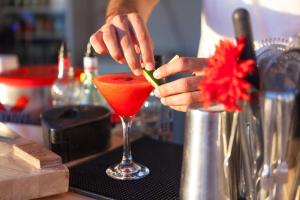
{"x":127,"y":45}
{"x":137,"y":49}
{"x":181,"y":99}
{"x":112,"y":43}
{"x":97,"y":42}
{"x":182,"y":85}
{"x":180,"y":108}
{"x":143,"y":39}
{"x":183,"y":64}
{"x":135,"y":43}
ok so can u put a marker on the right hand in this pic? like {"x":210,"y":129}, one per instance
{"x":181,"y":93}
{"x":124,"y":37}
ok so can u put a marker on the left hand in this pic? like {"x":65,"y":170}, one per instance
{"x":181,"y":93}
{"x":124,"y":37}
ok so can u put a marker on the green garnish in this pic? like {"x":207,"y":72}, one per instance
{"x":149,"y":76}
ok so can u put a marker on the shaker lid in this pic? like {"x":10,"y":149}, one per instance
{"x":32,"y":76}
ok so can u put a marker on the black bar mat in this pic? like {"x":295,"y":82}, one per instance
{"x":163,"y":159}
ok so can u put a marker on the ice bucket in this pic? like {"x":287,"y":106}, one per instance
{"x":25,"y":93}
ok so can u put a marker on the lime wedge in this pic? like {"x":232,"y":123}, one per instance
{"x":149,"y":76}
{"x":174,"y":58}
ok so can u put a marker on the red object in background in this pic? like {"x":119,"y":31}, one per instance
{"x":20,"y":86}
{"x":20,"y":104}
{"x":31,"y":76}
{"x":224,"y":76}
{"x":2,"y":108}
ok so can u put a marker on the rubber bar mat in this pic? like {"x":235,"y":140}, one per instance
{"x":163,"y":159}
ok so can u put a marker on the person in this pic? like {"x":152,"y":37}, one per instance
{"x":125,"y":35}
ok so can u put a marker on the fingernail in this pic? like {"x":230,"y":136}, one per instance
{"x":149,"y":66}
{"x":137,"y":72}
{"x":163,"y":100}
{"x":156,"y":93}
{"x":156,"y":74}
{"x":93,"y":38}
{"x":122,"y":61}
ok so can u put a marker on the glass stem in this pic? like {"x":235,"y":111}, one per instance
{"x":126,"y":124}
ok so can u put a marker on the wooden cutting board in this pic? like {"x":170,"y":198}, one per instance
{"x":28,"y":171}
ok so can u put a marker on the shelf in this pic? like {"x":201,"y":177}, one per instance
{"x":34,"y":10}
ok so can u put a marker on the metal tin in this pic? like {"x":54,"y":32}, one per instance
{"x":205,"y":145}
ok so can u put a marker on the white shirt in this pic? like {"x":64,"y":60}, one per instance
{"x":269,"y":18}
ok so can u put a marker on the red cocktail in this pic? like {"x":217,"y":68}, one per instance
{"x":125,"y":93}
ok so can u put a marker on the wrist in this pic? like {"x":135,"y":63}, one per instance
{"x":109,"y":17}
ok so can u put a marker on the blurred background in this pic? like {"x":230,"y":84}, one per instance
{"x":34,"y":29}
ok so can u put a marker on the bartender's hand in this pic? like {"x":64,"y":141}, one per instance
{"x":124,"y":37}
{"x":181,"y":93}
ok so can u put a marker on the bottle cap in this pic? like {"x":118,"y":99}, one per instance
{"x":90,"y":52}
{"x":63,"y":50}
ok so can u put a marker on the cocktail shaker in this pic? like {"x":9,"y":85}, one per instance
{"x":204,"y":170}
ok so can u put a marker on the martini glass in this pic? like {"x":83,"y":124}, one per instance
{"x":125,"y":93}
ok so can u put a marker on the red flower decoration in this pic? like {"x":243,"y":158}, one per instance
{"x":224,"y":75}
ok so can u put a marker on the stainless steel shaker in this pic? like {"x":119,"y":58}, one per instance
{"x":205,"y":148}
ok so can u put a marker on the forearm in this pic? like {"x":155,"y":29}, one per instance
{"x":142,"y":7}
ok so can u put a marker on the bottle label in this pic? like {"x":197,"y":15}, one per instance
{"x":65,"y":69}
{"x":90,"y":64}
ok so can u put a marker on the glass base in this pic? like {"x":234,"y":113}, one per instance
{"x":132,"y":171}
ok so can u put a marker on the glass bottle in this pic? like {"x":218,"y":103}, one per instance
{"x":66,"y":89}
{"x":89,"y":94}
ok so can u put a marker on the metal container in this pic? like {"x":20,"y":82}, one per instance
{"x":25,"y":93}
{"x":205,"y":173}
